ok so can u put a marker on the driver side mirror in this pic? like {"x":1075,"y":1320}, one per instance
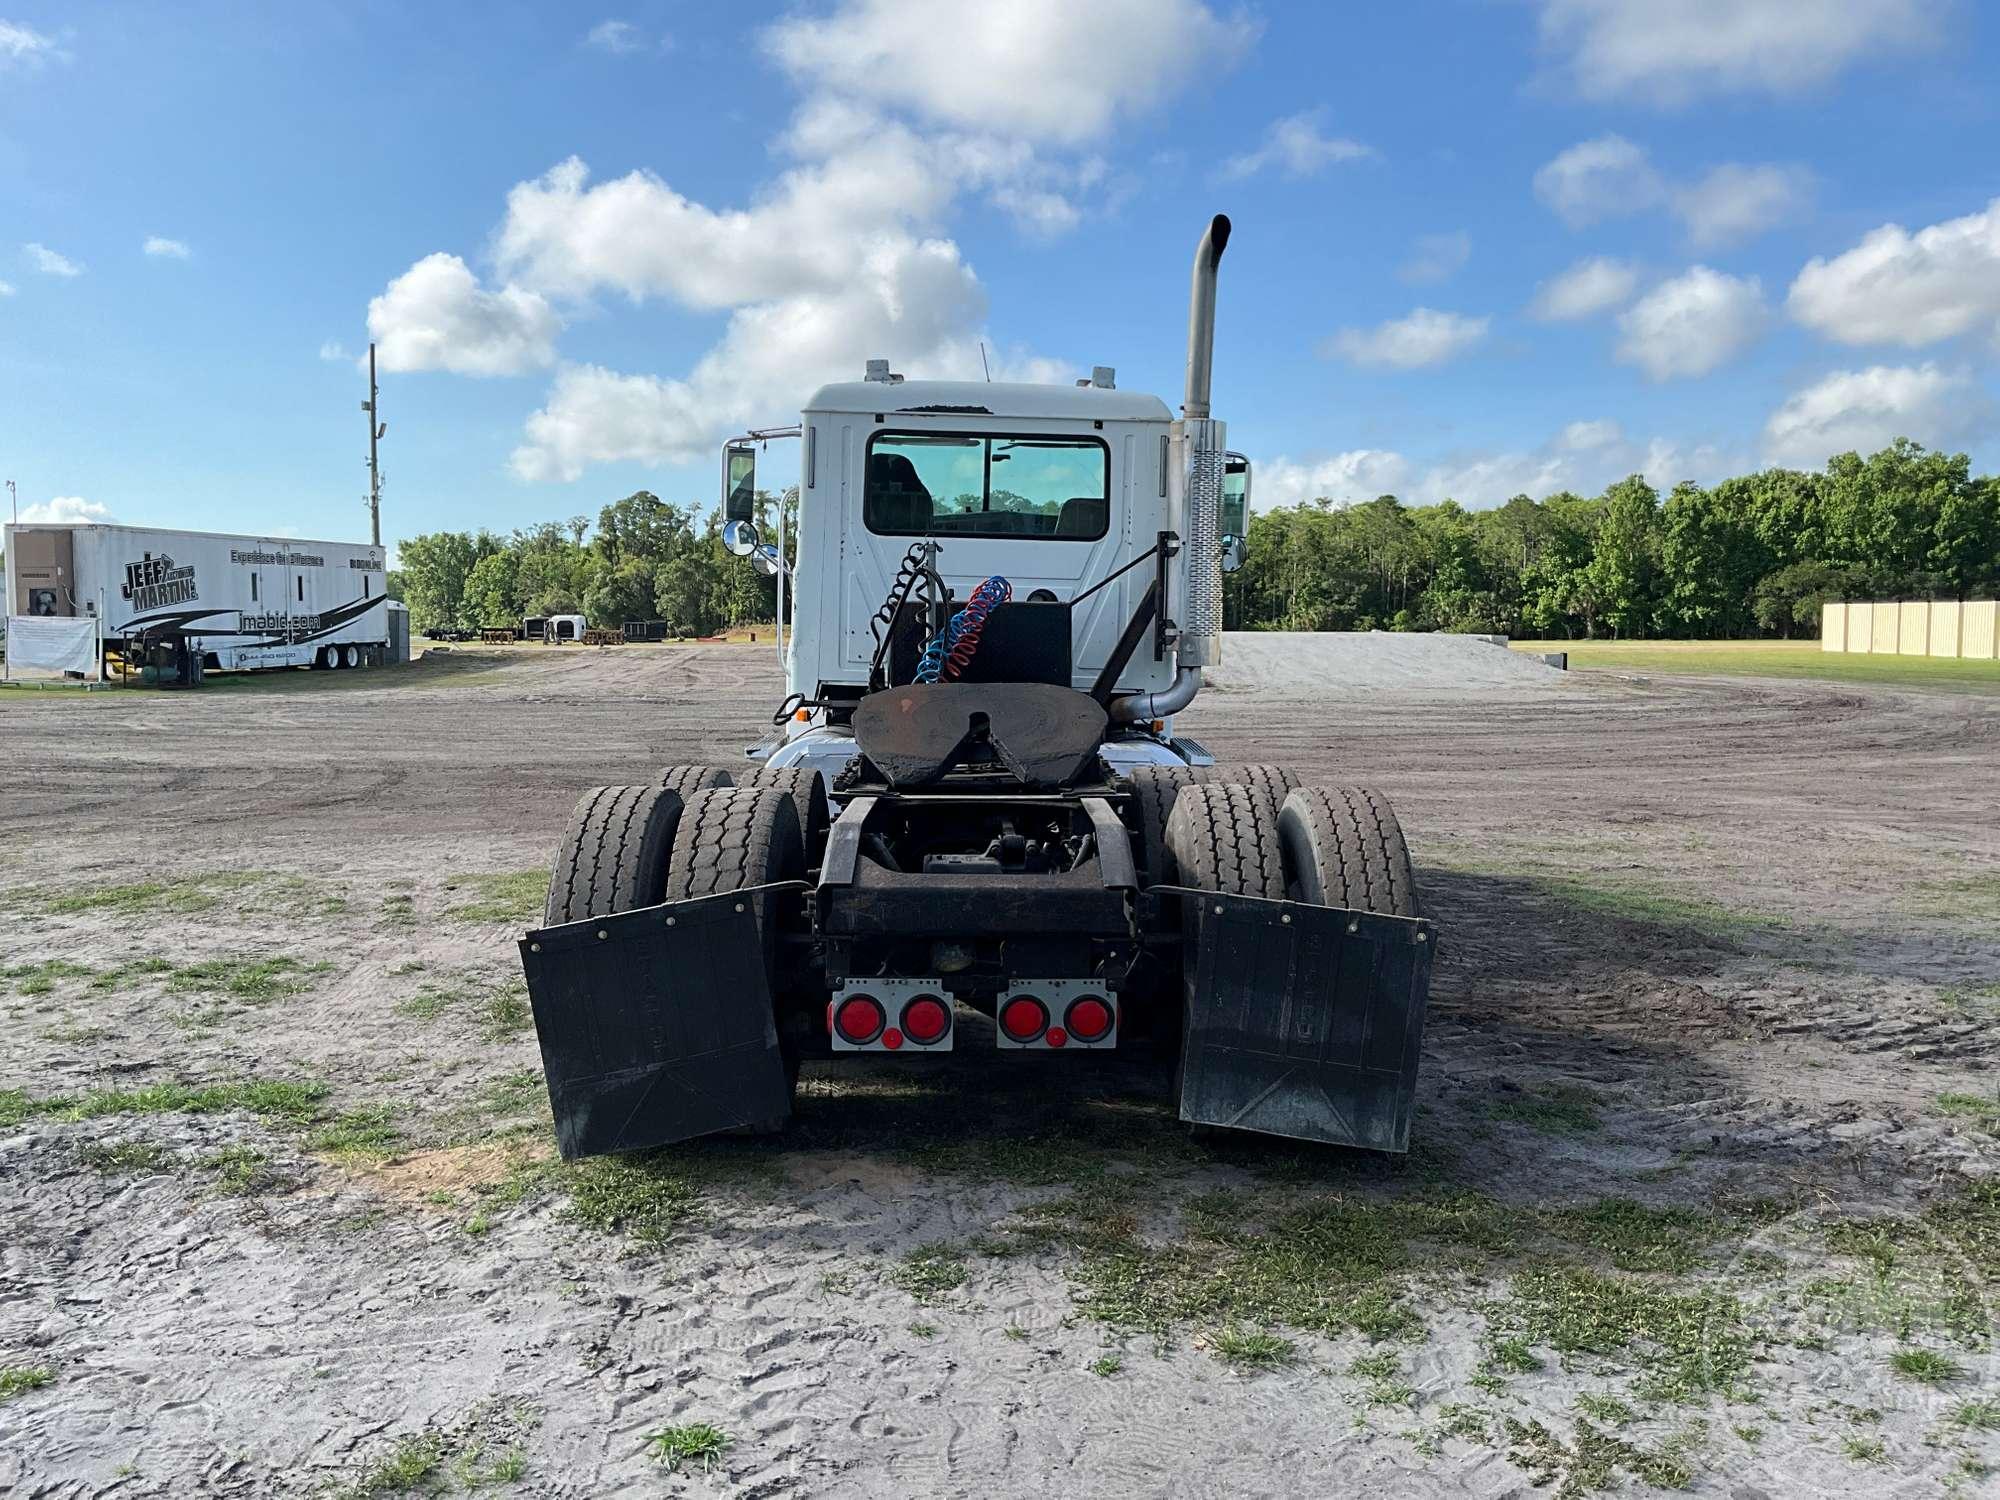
{"x":1234,"y":551}
{"x":1235,"y":495}
{"x":739,"y":485}
{"x":739,"y":538}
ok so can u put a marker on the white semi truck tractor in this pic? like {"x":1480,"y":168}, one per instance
{"x":975,"y":825}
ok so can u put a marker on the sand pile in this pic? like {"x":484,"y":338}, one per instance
{"x":1341,"y":661}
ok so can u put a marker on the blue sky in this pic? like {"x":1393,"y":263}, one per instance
{"x":1481,"y":247}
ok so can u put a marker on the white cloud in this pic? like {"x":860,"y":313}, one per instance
{"x":1425,"y":337}
{"x":64,"y":510}
{"x":1861,"y":410}
{"x":1436,"y":257}
{"x":1586,"y":289}
{"x":6,"y":288}
{"x":45,"y":260}
{"x":1691,"y":324}
{"x":1297,"y":146}
{"x":436,"y":316}
{"x":912,"y":302}
{"x":1360,"y":474}
{"x":1736,"y":201}
{"x":1583,"y":457}
{"x":1612,"y":178}
{"x":158,"y":245}
{"x":1586,"y":437}
{"x":1671,"y":51}
{"x":22,"y":44}
{"x":1911,"y":289}
{"x":334,"y":352}
{"x":617,"y":37}
{"x":1041,"y":70}
{"x":1605,"y":178}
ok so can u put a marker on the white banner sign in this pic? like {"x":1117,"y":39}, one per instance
{"x":51,"y":643}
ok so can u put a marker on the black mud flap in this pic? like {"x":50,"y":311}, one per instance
{"x":1305,"y":1021}
{"x":656,"y":1025}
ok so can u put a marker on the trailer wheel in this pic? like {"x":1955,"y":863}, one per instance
{"x":319,"y":661}
{"x":731,"y":838}
{"x":349,"y":656}
{"x":1157,"y":788}
{"x":1277,"y":782}
{"x":1343,"y":847}
{"x":687,"y":780}
{"x":614,"y":855}
{"x":807,"y":789}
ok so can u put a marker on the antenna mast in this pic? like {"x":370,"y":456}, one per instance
{"x":376,"y":428}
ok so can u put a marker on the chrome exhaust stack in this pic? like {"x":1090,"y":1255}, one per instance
{"x":1205,"y":441}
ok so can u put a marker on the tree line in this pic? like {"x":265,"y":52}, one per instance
{"x":648,"y":559}
{"x":1749,"y":556}
{"x":1753,"y":555}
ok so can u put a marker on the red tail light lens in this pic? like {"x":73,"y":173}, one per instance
{"x":1024,"y":1018}
{"x":1088,"y":1018}
{"x":926,"y":1019}
{"x":859,"y":1019}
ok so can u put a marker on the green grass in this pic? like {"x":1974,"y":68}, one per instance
{"x":1981,"y":1415}
{"x":18,"y":1380}
{"x":1791,"y":659}
{"x":930,"y":1271}
{"x":1606,"y":1409}
{"x":695,"y":1443}
{"x":1639,"y":1238}
{"x":1555,"y":1109}
{"x":42,"y":977}
{"x":368,"y":1133}
{"x":285,"y":1101}
{"x":500,"y":1006}
{"x":123,"y":1157}
{"x":1107,"y":1365}
{"x":1691,"y":1344}
{"x":243,"y":1172}
{"x":415,"y":1460}
{"x":1659,"y":906}
{"x":1925,"y":1366}
{"x":647,"y":1198}
{"x":1970,"y":1107}
{"x":256,"y":981}
{"x":924,"y":1330}
{"x":1591,"y":1461}
{"x":513,"y":896}
{"x":1863,"y":1450}
{"x":1250,"y":1348}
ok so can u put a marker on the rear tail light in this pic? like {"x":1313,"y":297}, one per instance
{"x":1049,"y":1014}
{"x":1023,"y":1019}
{"x":890,"y":1015}
{"x":1088,"y":1018}
{"x":926,"y":1019}
{"x":858,"y":1020}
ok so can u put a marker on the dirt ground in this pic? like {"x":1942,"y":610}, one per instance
{"x":1702,"y":1194}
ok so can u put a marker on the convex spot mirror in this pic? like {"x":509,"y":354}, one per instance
{"x":739,"y":538}
{"x":1234,"y":550}
{"x":765,"y":560}
{"x":739,"y":485}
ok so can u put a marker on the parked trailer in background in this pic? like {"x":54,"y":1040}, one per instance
{"x":241,"y":601}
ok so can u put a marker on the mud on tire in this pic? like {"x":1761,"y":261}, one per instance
{"x":614,"y":855}
{"x":1343,"y":847}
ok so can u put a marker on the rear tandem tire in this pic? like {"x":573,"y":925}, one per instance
{"x":1275,"y":781}
{"x":1343,"y":847}
{"x":807,"y":789}
{"x":614,"y":855}
{"x":1158,"y":787}
{"x":687,"y":780}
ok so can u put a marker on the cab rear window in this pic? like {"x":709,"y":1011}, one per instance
{"x":988,"y":485}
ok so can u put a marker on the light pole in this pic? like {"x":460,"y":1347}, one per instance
{"x":376,"y":428}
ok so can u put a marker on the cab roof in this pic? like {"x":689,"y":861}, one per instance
{"x":978,"y":399}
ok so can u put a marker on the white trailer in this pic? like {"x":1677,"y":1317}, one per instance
{"x":241,"y":601}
